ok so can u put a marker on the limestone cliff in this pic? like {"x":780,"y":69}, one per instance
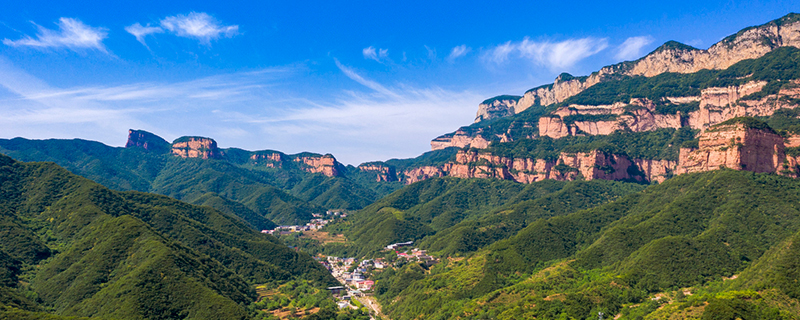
{"x":268,"y":159}
{"x":196,"y":147}
{"x":675,"y":57}
{"x":714,"y":105}
{"x":325,"y":164}
{"x":308,"y":162}
{"x":672,"y":57}
{"x":146,"y":140}
{"x":734,"y":146}
{"x":497,"y":107}
{"x":741,"y":143}
{"x":382,"y":172}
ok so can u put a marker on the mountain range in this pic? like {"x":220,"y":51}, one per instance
{"x":661,"y":188}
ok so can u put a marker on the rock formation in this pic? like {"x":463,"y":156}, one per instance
{"x":196,"y":147}
{"x":750,"y":43}
{"x":672,"y":56}
{"x":146,"y":140}
{"x":382,"y":172}
{"x":326,"y":164}
{"x":497,"y":107}
{"x":734,"y":146}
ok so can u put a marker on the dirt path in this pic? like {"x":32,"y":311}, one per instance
{"x":373,"y":305}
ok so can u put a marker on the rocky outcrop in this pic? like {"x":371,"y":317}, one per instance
{"x":734,"y":146}
{"x":714,"y":105}
{"x":324,"y":164}
{"x":497,"y":107}
{"x":268,"y":159}
{"x":461,"y":138}
{"x":381,"y":171}
{"x":146,"y":140}
{"x":749,"y":43}
{"x":196,"y":147}
{"x":423,"y":172}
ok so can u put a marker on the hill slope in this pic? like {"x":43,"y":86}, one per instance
{"x":85,"y":250}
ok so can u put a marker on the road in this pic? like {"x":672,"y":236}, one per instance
{"x":372,"y":304}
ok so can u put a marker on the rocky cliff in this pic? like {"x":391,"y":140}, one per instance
{"x":146,"y":140}
{"x":382,"y":172}
{"x":672,"y":57}
{"x":309,"y":162}
{"x":196,"y":147}
{"x":497,"y":107}
{"x":741,"y":143}
{"x":325,"y":164}
{"x":735,"y":146}
{"x":675,"y":57}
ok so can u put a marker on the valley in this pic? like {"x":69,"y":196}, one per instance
{"x":667,"y":187}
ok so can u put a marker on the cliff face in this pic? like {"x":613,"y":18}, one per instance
{"x":568,"y":166}
{"x":736,"y":147}
{"x":716,"y":105}
{"x":749,"y":43}
{"x":146,"y":140}
{"x":461,"y":139}
{"x":326,"y":165}
{"x":196,"y":147}
{"x":497,"y":107}
{"x":382,"y":172}
{"x":268,"y":159}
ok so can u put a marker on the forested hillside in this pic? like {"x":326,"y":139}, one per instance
{"x":670,"y":245}
{"x":72,"y":247}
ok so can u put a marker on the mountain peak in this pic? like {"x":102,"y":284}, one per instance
{"x":147,"y":141}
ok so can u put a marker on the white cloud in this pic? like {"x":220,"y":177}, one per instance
{"x":139,"y":31}
{"x":200,"y":26}
{"x":501,"y":53}
{"x":71,"y":34}
{"x":458,"y":51}
{"x":563,"y":54}
{"x":251,"y":110}
{"x":375,"y":54}
{"x":365,"y":82}
{"x":195,"y":25}
{"x":555,"y":55}
{"x":632,"y":47}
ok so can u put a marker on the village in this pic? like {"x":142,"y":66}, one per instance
{"x":317,"y":223}
{"x":356,"y":276}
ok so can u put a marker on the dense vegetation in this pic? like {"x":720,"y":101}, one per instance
{"x":284,"y":195}
{"x":661,"y":144}
{"x":457,"y":216}
{"x":690,"y":231}
{"x":71,"y":247}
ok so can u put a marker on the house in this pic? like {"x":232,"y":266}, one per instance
{"x":336,"y":290}
{"x":365,"y":285}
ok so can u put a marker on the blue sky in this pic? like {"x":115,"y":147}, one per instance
{"x":363,"y":80}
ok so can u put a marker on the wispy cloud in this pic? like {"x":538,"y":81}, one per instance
{"x":350,"y":73}
{"x":139,"y":31}
{"x":251,"y":110}
{"x":71,"y":34}
{"x":555,"y":55}
{"x":632,"y":47}
{"x":457,"y":52}
{"x":195,"y":25}
{"x":500,"y":53}
{"x":375,"y":54}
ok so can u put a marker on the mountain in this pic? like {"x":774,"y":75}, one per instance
{"x":282,"y":188}
{"x":458,"y":216}
{"x":631,"y":125}
{"x":687,"y":234}
{"x":671,"y":57}
{"x":72,"y":247}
